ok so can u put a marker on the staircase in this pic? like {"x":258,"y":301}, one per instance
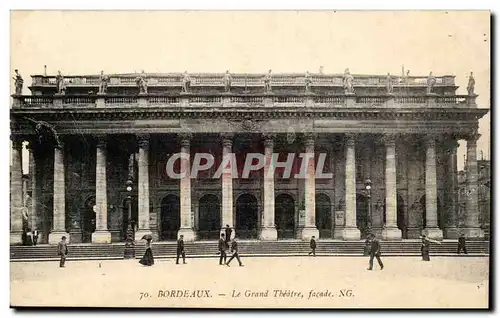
{"x":250,"y":248}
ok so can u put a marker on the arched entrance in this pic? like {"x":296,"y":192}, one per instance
{"x":209,"y":217}
{"x":401,"y":220}
{"x":440,"y":214}
{"x":323,"y":215}
{"x":247,"y":216}
{"x":362,"y":213}
{"x":132,"y":203}
{"x":284,"y":214}
{"x":88,"y":220}
{"x":170,"y":217}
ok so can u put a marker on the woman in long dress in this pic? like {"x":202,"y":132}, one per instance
{"x":425,"y":249}
{"x":147,"y":259}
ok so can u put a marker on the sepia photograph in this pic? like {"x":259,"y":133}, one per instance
{"x":250,"y":159}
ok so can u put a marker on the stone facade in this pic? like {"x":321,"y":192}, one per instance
{"x":404,"y":142}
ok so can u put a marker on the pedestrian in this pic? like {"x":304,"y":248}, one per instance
{"x":228,"y":232}
{"x":367,"y":247}
{"x":147,"y":259}
{"x":234,"y":250}
{"x":312,"y":245}
{"x":461,"y":244}
{"x":425,"y":247}
{"x":223,"y":246}
{"x":374,"y":252}
{"x":180,"y":250}
{"x":62,"y":251}
{"x":35,"y":237}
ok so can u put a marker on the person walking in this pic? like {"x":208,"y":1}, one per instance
{"x":228,"y":231}
{"x":180,"y":250}
{"x":425,"y":248}
{"x":223,"y":246}
{"x":461,"y":244}
{"x":312,"y":245}
{"x":147,"y":259}
{"x":234,"y":250}
{"x":62,"y":251}
{"x":374,"y":252}
{"x":35,"y":237}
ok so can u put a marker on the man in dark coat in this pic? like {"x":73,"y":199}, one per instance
{"x":35,"y":237}
{"x":461,"y":244}
{"x":312,"y":245}
{"x":375,"y":252}
{"x":223,"y":246}
{"x":62,"y":251}
{"x":228,"y":233}
{"x":180,"y":250}
{"x":234,"y":250}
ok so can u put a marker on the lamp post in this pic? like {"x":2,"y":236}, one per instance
{"x":368,"y":188}
{"x":129,"y":251}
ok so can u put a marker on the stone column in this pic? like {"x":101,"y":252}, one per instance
{"x":227,"y":184}
{"x":431,"y":228}
{"x":143,"y":187}
{"x":391,"y":230}
{"x":101,"y":234}
{"x":186,"y":228}
{"x":450,"y":230}
{"x":309,"y":228}
{"x":36,"y":218}
{"x":59,"y":201}
{"x":472,"y":226}
{"x":350,"y":231}
{"x":16,"y":191}
{"x":268,"y":228}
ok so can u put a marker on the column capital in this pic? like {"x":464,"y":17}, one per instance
{"x":473,"y":137}
{"x":101,"y":140}
{"x":226,"y":139}
{"x":17,"y":141}
{"x":309,"y":138}
{"x":143,"y":141}
{"x":430,"y":140}
{"x":185,"y":139}
{"x":268,"y":139}
{"x":389,"y":140}
{"x":350,"y":139}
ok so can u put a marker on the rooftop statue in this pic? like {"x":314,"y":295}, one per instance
{"x":103,"y":83}
{"x":389,"y":84}
{"x":186,"y":82}
{"x":18,"y":83}
{"x":227,"y":82}
{"x":471,"y":84}
{"x":267,"y":81}
{"x":60,"y":83}
{"x":308,"y":81}
{"x":431,"y":81}
{"x":348,"y":82}
{"x":142,"y":83}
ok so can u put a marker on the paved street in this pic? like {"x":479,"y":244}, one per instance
{"x":293,"y":282}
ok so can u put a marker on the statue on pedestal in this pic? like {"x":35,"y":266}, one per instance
{"x":227,"y":82}
{"x":308,"y":81}
{"x":61,"y":90}
{"x":18,"y":83}
{"x":470,"y":85}
{"x":389,"y":84}
{"x":103,"y":83}
{"x":348,"y":81}
{"x":142,"y":83}
{"x":267,"y":82}
{"x":186,"y":82}
{"x":431,"y":81}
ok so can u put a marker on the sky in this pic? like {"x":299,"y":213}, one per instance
{"x":83,"y":42}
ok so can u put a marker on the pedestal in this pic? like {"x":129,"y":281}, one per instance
{"x":307,"y":232}
{"x":351,"y":234}
{"x":451,"y":232}
{"x":100,"y":102}
{"x":16,"y":238}
{"x":268,"y":234}
{"x":350,"y":99}
{"x":391,"y":234}
{"x":55,"y":237}
{"x":103,"y":237}
{"x":140,"y":233}
{"x":188,"y":233}
{"x":473,"y":232}
{"x":433,"y":233}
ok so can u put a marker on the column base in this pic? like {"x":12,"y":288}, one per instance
{"x":102,"y":237}
{"x":433,"y":233}
{"x":472,"y":232}
{"x":16,"y":238}
{"x":351,"y":234}
{"x":268,"y":234}
{"x":451,"y":233}
{"x":55,"y":237}
{"x":307,"y":232}
{"x":189,"y":234}
{"x":140,"y":233}
{"x":391,"y":233}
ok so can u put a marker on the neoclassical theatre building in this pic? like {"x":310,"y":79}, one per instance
{"x":98,"y":146}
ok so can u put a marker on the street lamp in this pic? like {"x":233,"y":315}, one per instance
{"x":368,"y":188}
{"x":129,"y":251}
